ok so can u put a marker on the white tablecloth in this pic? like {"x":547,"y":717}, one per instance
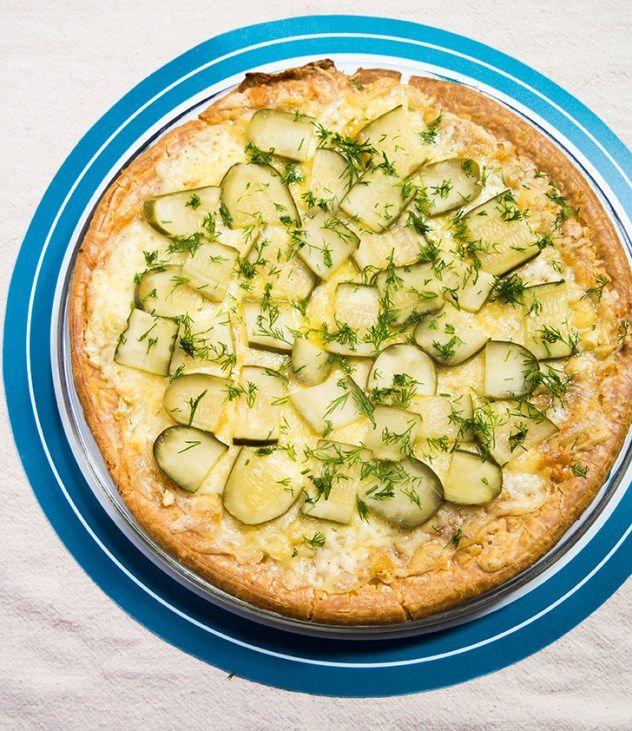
{"x":69,"y":657}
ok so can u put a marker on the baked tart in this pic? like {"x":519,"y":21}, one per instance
{"x":354,"y":350}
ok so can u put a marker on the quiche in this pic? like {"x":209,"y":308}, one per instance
{"x":354,"y":350}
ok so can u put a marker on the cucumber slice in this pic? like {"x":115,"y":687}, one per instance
{"x":357,"y":304}
{"x":468,"y":286}
{"x":445,"y":418}
{"x":186,"y":455}
{"x":263,"y":484}
{"x":449,"y":184}
{"x":255,"y":194}
{"x":284,"y":134}
{"x":504,"y":235}
{"x":269,"y":324}
{"x":548,"y":331}
{"x":507,"y":430}
{"x":507,"y":369}
{"x":329,"y":405}
{"x":310,"y":363}
{"x":472,"y":480}
{"x":357,"y":308}
{"x":203,"y":349}
{"x":377,"y":199}
{"x":181,"y":213}
{"x":400,"y":374}
{"x":196,"y":400}
{"x":273,"y":260}
{"x":335,"y":478}
{"x":401,"y":243}
{"x":406,"y":493}
{"x":257,"y":415}
{"x":410,"y":291}
{"x":328,"y":244}
{"x":209,"y":269}
{"x":165,"y":292}
{"x":446,"y":340}
{"x":358,"y":369}
{"x":330,"y":178}
{"x":393,"y":136}
{"x":146,"y":343}
{"x":394,"y":434}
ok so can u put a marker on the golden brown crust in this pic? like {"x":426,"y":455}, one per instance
{"x":366,"y":76}
{"x":443,"y":582}
{"x":258,"y":78}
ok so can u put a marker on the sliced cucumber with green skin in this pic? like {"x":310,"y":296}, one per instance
{"x":449,"y":184}
{"x":393,"y":136}
{"x":285,"y":134}
{"x":357,"y":308}
{"x":182,"y":213}
{"x":401,"y":373}
{"x":328,"y":244}
{"x":468,"y":286}
{"x":165,"y":291}
{"x":186,"y":455}
{"x":255,"y":194}
{"x":330,"y":178}
{"x":273,"y":259}
{"x":505,"y":237}
{"x":310,"y":363}
{"x":548,"y":331}
{"x":146,"y":343}
{"x":507,"y":370}
{"x":204,"y":349}
{"x":329,"y":405}
{"x":446,"y":417}
{"x":446,"y":341}
{"x":257,"y":414}
{"x":406,"y":493}
{"x":394,"y":433}
{"x":507,"y":430}
{"x":377,"y":200}
{"x":357,"y":304}
{"x":196,"y":400}
{"x":209,"y":269}
{"x":334,"y":481}
{"x":263,"y":484}
{"x":411,"y":290}
{"x":358,"y":369}
{"x":401,"y":243}
{"x":269,"y":325}
{"x":471,"y":480}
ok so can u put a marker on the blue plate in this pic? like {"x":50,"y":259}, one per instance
{"x":520,"y":624}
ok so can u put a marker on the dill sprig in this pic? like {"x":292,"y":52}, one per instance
{"x":358,"y":155}
{"x":429,"y":135}
{"x":258,"y":156}
{"x":509,"y":289}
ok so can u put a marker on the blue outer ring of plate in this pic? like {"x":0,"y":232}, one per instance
{"x":342,"y":668}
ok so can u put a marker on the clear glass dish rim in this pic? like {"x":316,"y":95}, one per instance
{"x":90,"y":461}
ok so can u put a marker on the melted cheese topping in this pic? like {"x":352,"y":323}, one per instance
{"x":354,"y":553}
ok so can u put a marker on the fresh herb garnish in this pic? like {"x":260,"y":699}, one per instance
{"x":316,"y":541}
{"x":579,"y":469}
{"x":509,"y":289}
{"x":194,"y":201}
{"x":600,"y":283}
{"x":292,"y":174}
{"x":257,"y":156}
{"x":429,"y":135}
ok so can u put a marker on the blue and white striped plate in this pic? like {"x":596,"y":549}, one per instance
{"x":525,"y":620}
